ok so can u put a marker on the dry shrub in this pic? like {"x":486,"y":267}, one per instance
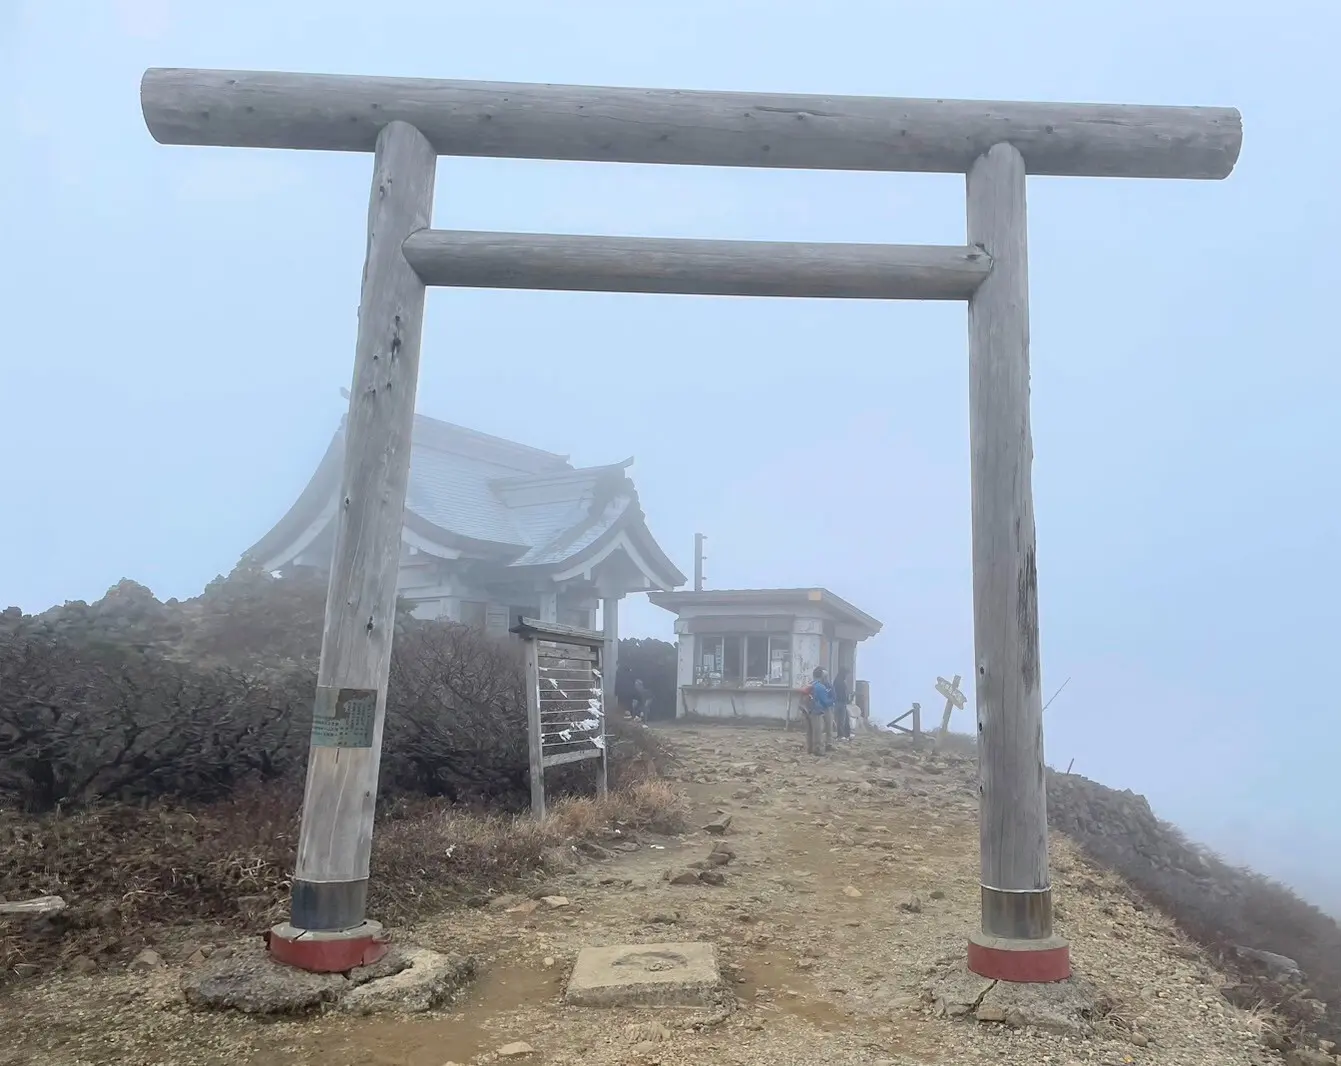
{"x":1112,"y":1014}
{"x":151,"y":761}
{"x":129,"y":699}
{"x":123,"y":869}
{"x":649,"y":805}
{"x":82,"y":719}
{"x":958,"y":743}
{"x":128,"y":871}
{"x":430,"y":856}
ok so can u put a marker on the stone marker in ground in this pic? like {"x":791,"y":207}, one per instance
{"x":718,"y":826}
{"x":645,"y":975}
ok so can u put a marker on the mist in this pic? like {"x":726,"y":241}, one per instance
{"x":179,"y":321}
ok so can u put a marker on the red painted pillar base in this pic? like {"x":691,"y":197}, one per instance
{"x":328,"y":952}
{"x":1020,"y":961}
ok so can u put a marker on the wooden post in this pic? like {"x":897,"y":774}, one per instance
{"x":915,"y":713}
{"x":610,"y":659}
{"x":603,"y":766}
{"x":549,"y":606}
{"x":862,"y":691}
{"x":698,"y":561}
{"x":331,"y":879}
{"x":1016,"y":942}
{"x":602,"y":782}
{"x":534,"y":733}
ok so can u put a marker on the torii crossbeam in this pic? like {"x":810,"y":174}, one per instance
{"x":407,"y":123}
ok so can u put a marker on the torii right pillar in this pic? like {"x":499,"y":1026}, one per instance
{"x":1016,"y":941}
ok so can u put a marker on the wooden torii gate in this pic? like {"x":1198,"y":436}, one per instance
{"x":408,"y":123}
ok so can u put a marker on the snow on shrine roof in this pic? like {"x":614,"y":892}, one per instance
{"x":472,"y":489}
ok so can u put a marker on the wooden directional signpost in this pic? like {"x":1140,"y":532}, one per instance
{"x":407,"y":123}
{"x":953,"y":699}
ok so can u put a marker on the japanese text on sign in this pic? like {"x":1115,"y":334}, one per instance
{"x":344,"y":718}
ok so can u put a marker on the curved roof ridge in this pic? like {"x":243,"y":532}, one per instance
{"x":443,"y":436}
{"x":573,"y":473}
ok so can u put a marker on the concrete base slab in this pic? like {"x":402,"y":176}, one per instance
{"x":428,"y":980}
{"x":247,"y":978}
{"x":646,"y":975}
{"x":1065,"y":1007}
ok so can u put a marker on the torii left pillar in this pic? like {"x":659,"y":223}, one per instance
{"x":328,"y":930}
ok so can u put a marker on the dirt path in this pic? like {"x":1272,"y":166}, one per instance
{"x":854,"y":885}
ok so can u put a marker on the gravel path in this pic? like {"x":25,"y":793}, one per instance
{"x":841,"y":922}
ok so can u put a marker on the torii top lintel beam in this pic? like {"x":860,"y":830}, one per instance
{"x":343,"y":113}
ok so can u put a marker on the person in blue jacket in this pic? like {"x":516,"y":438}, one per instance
{"x":819,"y":738}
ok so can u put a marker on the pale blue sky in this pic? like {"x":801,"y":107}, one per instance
{"x":178,"y":322}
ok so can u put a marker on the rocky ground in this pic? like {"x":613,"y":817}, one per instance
{"x":840,"y":919}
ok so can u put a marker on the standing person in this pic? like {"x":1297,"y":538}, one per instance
{"x":821,"y":717}
{"x":814,"y":729}
{"x":641,"y":699}
{"x":842,"y":695}
{"x":624,"y":689}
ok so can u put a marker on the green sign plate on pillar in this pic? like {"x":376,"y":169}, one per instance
{"x":344,"y":717}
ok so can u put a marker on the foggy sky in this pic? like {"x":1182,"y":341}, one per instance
{"x":178,"y":322}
